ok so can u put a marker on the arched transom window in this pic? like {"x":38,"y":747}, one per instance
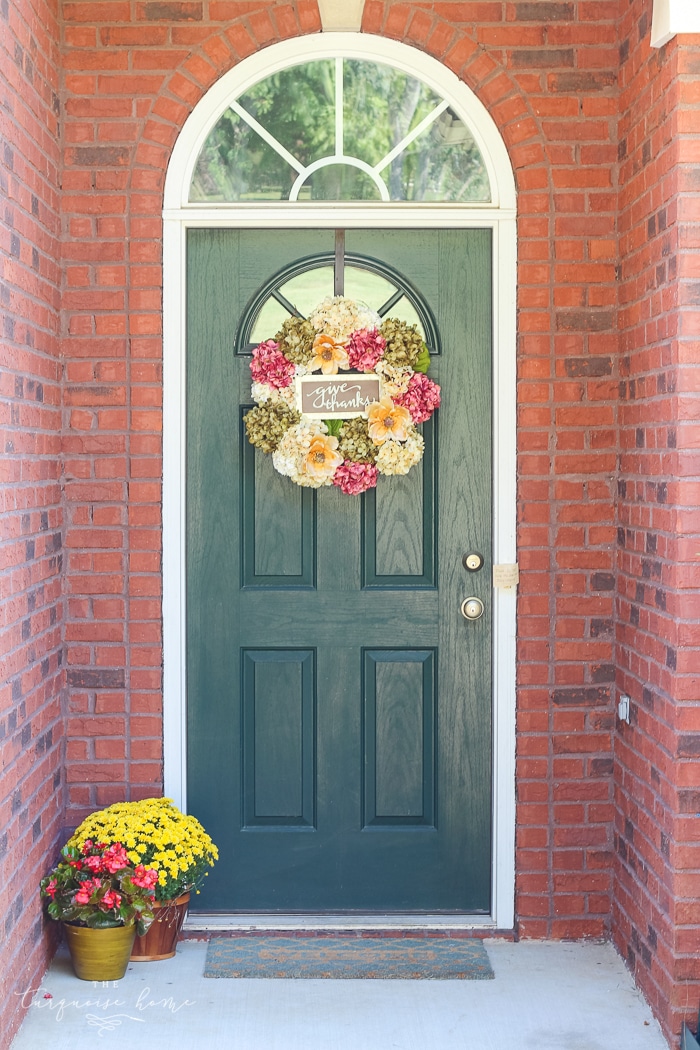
{"x":340,"y":129}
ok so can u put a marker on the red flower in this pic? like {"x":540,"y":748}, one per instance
{"x":111,"y":899}
{"x":421,"y":399}
{"x":115,"y":858}
{"x":365,"y":348}
{"x":51,"y":888}
{"x":269,"y":365}
{"x":146,"y":878}
{"x":86,"y":891}
{"x":354,"y":478}
{"x":87,"y":845}
{"x":94,"y":864}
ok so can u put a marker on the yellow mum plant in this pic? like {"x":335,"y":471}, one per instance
{"x":158,"y":835}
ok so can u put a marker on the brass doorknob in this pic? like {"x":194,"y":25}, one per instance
{"x":472,"y":608}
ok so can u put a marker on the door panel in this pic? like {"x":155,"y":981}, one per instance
{"x":339,"y":706}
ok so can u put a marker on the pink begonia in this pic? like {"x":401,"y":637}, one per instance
{"x":86,"y":890}
{"x":269,"y":365}
{"x":146,"y":878}
{"x":421,"y":399}
{"x":115,"y":858}
{"x":365,"y":347}
{"x":354,"y":478}
{"x":94,"y":864}
{"x":111,"y":899}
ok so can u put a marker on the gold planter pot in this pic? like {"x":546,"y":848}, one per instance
{"x":100,"y":955}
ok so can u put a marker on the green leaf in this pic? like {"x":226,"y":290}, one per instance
{"x":100,"y":920}
{"x":423,"y":361}
{"x":334,"y":426}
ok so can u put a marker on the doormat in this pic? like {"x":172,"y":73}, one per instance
{"x":345,"y":958}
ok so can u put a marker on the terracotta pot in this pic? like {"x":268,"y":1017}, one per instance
{"x":160,"y":941}
{"x":99,"y":955}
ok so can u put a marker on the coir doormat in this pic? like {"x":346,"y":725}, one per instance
{"x":341,"y":957}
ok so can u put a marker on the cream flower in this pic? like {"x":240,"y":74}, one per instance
{"x":395,"y":380}
{"x":340,"y":317}
{"x":387,"y":420}
{"x":397,"y":457}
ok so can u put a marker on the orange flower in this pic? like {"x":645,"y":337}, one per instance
{"x":387,"y":420}
{"x":322,"y":460}
{"x":329,"y":356}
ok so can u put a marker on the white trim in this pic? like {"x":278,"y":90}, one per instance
{"x":671,"y":17}
{"x":499,"y":216}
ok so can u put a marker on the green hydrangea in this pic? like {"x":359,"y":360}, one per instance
{"x":266,"y":424}
{"x":296,"y":339}
{"x":354,"y":442}
{"x":404,"y":344}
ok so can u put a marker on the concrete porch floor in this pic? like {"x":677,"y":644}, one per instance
{"x":546,"y":996}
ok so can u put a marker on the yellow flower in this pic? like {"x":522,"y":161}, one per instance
{"x":329,"y":356}
{"x":387,"y":420}
{"x":322,"y":460}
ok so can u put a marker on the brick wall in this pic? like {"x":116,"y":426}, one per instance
{"x":657,"y":774}
{"x":31,"y":521}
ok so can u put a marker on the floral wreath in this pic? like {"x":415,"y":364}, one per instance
{"x":351,"y":448}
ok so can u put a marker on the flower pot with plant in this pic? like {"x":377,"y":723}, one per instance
{"x":104,"y":900}
{"x":157,"y":835}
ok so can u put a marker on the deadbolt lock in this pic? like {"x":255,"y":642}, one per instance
{"x":473,"y":561}
{"x":472,"y":608}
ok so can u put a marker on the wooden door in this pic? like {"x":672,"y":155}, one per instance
{"x":339,"y":704}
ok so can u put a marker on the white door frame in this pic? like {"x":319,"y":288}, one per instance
{"x":499,"y":216}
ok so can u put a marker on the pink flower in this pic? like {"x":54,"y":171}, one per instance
{"x":269,"y":365}
{"x":111,"y":899}
{"x":115,"y":858}
{"x":354,"y":478}
{"x":365,"y":347}
{"x":51,"y":888}
{"x":94,"y":864}
{"x":86,"y":891}
{"x":146,"y":878}
{"x":87,"y":845}
{"x":421,"y":399}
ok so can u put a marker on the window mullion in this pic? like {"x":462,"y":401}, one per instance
{"x":408,"y":139}
{"x":339,"y":128}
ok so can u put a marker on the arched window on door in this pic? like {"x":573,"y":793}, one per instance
{"x":296,"y":289}
{"x":340,"y":129}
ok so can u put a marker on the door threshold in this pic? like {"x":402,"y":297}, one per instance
{"x":222,"y":923}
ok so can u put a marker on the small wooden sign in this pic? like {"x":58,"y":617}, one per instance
{"x":337,"y":397}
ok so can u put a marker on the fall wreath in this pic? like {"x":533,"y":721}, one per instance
{"x":339,"y":397}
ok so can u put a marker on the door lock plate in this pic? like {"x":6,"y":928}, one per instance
{"x":473,"y":561}
{"x":472,"y":608}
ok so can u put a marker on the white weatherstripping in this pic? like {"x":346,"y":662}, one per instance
{"x":499,"y":216}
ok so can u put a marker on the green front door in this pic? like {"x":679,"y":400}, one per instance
{"x":338,"y":702}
